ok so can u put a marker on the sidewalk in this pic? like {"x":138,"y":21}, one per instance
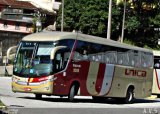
{"x":8,"y":68}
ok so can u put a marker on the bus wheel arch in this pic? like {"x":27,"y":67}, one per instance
{"x":129,"y":95}
{"x":73,"y":90}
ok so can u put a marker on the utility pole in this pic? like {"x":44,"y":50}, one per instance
{"x":1,"y":54}
{"x":62,"y":20}
{"x":123,"y":22}
{"x":109,"y":20}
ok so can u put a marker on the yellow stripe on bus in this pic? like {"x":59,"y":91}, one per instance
{"x":31,"y":79}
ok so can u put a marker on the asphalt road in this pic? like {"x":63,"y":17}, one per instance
{"x":23,"y":103}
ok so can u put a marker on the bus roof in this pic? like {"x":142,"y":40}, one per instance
{"x":54,"y":36}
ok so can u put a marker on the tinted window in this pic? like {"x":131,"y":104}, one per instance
{"x":112,"y":55}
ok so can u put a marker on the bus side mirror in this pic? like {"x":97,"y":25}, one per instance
{"x":54,"y":50}
{"x":11,"y":51}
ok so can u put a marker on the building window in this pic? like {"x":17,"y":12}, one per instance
{"x":5,"y":25}
{"x":17,"y":26}
{"x":28,"y":26}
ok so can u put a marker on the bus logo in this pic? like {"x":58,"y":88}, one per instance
{"x":133,"y":72}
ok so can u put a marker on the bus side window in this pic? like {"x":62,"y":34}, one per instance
{"x":58,"y":60}
{"x":85,"y":56}
{"x":61,"y":59}
{"x":120,"y":58}
{"x":156,"y":63}
{"x":77,"y":56}
{"x":66,"y":58}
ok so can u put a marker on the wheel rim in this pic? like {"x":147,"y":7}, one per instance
{"x":130,"y":96}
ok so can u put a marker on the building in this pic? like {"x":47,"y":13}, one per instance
{"x":20,"y":18}
{"x":16,"y":21}
{"x":51,"y":6}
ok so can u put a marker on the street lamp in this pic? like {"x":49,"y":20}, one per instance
{"x":62,"y":21}
{"x":123,"y":21}
{"x":109,"y":20}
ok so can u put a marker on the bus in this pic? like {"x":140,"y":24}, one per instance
{"x":156,"y":74}
{"x":70,"y":64}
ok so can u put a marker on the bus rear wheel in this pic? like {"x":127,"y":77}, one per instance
{"x":38,"y":96}
{"x":158,"y":96}
{"x":129,"y":96}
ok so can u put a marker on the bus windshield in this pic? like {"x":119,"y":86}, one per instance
{"x":33,"y":59}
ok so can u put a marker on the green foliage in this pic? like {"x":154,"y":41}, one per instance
{"x":155,"y":20}
{"x":93,"y":20}
{"x":127,"y":41}
{"x":91,"y":17}
{"x":141,"y":21}
{"x":132,"y":23}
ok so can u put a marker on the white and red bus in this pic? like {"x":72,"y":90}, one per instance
{"x":69,"y":64}
{"x":156,"y":74}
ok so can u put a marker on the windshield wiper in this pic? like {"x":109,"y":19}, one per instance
{"x":33,"y":55}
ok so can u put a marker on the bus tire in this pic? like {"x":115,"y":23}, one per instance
{"x":72,"y":93}
{"x":38,"y":96}
{"x":158,"y":96}
{"x":129,"y":96}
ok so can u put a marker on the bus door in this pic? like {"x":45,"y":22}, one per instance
{"x":60,"y":56}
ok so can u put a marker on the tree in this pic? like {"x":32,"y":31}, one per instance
{"x":94,"y":18}
{"x":141,"y":21}
{"x":91,"y":16}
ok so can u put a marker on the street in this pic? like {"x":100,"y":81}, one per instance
{"x":27,"y":101}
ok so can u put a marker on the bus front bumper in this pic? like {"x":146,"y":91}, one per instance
{"x":44,"y":87}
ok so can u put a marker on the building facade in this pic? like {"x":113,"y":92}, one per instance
{"x":16,"y":21}
{"x":19,"y":18}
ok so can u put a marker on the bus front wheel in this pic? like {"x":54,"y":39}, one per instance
{"x":72,"y":93}
{"x":38,"y":96}
{"x":158,"y":96}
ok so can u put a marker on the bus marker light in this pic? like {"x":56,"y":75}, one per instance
{"x":64,"y":73}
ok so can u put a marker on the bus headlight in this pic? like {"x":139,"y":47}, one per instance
{"x":14,"y":79}
{"x":51,"y":78}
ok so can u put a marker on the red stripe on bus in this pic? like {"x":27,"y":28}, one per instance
{"x":157,"y":79}
{"x":29,"y":79}
{"x":100,"y":77}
